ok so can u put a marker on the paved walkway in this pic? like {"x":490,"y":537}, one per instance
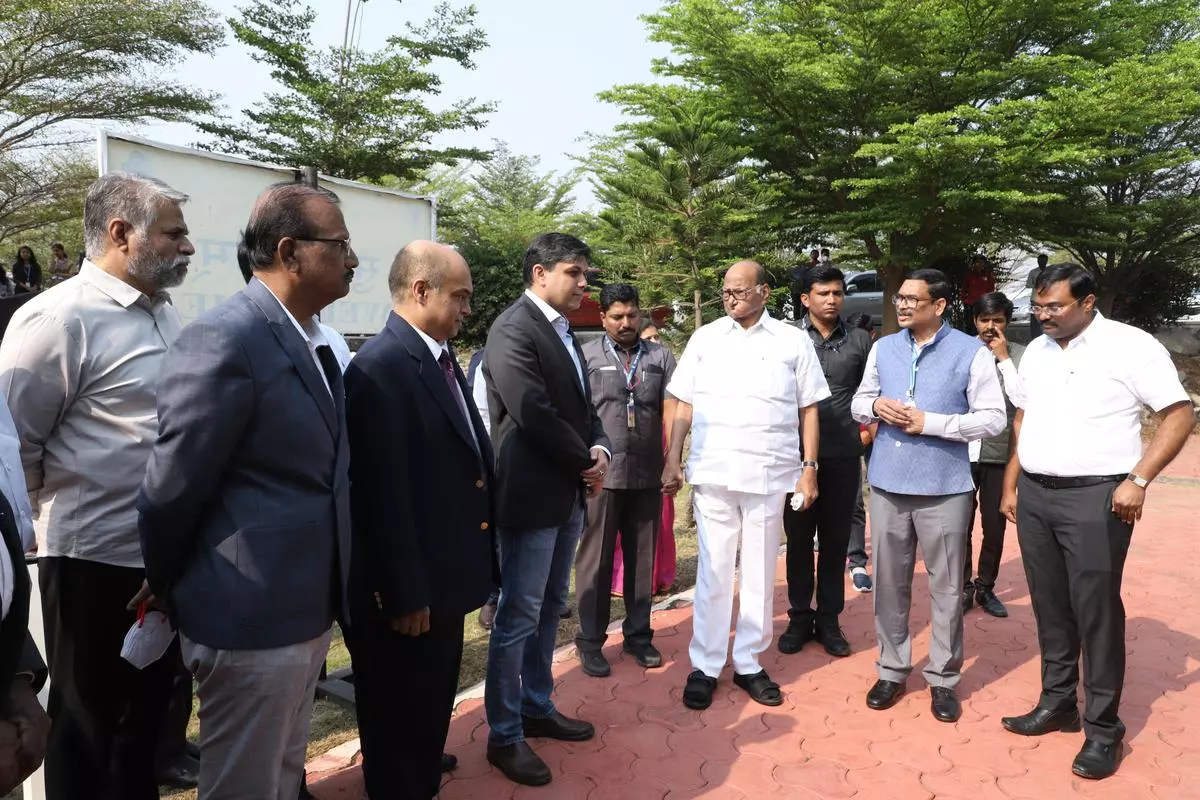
{"x":825,"y":743}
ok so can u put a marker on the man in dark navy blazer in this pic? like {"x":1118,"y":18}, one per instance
{"x":550,"y":448}
{"x":421,"y":506}
{"x":245,"y":507}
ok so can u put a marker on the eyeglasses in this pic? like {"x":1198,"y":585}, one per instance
{"x":1051,"y":310}
{"x":740,"y":294}
{"x":343,"y":244}
{"x":905,"y":301}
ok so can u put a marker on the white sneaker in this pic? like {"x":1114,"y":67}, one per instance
{"x":862,"y":581}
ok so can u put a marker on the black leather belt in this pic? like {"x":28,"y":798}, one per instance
{"x":1075,"y":482}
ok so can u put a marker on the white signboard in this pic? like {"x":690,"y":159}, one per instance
{"x":222,"y":191}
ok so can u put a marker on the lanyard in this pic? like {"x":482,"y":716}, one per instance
{"x":911,"y":396}
{"x":630,"y":370}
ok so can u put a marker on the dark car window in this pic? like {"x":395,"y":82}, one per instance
{"x":867,"y":282}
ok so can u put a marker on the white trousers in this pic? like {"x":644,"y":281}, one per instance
{"x":722,"y":517}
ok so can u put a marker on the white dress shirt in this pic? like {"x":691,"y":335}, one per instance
{"x":79,"y":367}
{"x":986,"y":416}
{"x":479,"y":395}
{"x":337,"y":343}
{"x":746,"y":387}
{"x":313,"y":333}
{"x":436,"y":349}
{"x":1083,"y":403}
{"x":12,"y":483}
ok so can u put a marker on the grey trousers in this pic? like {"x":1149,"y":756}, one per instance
{"x":255,"y":709}
{"x":900,"y":522}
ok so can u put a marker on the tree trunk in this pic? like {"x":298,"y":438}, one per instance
{"x":1104,"y":301}
{"x":892,"y":277}
{"x":699,"y":310}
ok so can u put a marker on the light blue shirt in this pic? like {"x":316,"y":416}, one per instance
{"x":562,"y":328}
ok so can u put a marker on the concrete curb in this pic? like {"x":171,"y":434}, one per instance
{"x":338,"y":773}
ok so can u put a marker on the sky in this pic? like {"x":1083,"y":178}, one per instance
{"x":544,"y":63}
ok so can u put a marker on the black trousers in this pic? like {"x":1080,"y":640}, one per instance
{"x":404,"y":688}
{"x":989,"y":490}
{"x":1073,"y":548}
{"x":106,"y":714}
{"x":637,"y":514}
{"x":829,"y":518}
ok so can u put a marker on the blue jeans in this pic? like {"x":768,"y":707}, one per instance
{"x":535,"y":570}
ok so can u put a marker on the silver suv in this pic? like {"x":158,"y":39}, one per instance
{"x":864,"y":295}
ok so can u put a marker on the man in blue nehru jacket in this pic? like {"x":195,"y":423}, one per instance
{"x":932,"y":390}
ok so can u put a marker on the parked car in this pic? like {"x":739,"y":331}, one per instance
{"x":864,"y":295}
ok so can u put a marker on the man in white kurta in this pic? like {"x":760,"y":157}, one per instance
{"x":744,"y":384}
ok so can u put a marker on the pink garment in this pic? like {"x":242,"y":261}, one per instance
{"x":664,"y":554}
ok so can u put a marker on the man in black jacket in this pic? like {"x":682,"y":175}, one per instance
{"x":421,"y":479}
{"x":550,"y":447}
{"x":842,"y":350}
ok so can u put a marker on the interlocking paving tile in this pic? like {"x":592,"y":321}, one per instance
{"x":823,"y":743}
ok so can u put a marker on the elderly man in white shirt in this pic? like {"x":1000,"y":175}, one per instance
{"x":1075,"y":486}
{"x":745,"y":384}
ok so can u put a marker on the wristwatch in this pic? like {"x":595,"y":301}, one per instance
{"x":1138,"y":480}
{"x":807,"y":464}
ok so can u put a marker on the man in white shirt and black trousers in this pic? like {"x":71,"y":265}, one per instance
{"x":1075,"y":486}
{"x":745,"y":384}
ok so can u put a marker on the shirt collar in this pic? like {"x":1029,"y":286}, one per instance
{"x":551,"y":313}
{"x":314,"y":337}
{"x":839,"y":330}
{"x":121,"y":292}
{"x":435,"y":347}
{"x":764,"y":323}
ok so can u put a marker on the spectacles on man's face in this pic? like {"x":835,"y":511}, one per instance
{"x":908,"y":300}
{"x":740,"y":294}
{"x":343,"y":244}
{"x":1051,"y":309}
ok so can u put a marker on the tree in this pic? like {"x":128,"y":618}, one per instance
{"x":492,"y":217}
{"x":353,"y":114}
{"x":681,"y":200}
{"x":877,"y":111}
{"x":73,"y":61}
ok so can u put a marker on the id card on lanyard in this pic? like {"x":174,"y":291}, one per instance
{"x":910,"y":397}
{"x":629,"y":372}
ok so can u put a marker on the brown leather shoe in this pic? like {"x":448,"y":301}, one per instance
{"x":519,"y":764}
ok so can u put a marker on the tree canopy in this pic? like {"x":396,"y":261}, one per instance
{"x":353,"y":114}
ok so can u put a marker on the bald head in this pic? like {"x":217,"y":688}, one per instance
{"x":745,"y":292}
{"x":431,"y":288}
{"x":747,"y":271}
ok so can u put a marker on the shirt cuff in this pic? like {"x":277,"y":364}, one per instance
{"x":602,"y":448}
{"x":1006,"y":366}
{"x":936,"y":424}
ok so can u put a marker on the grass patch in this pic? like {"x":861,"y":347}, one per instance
{"x":332,"y":725}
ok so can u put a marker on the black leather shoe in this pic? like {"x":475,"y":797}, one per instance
{"x":565,"y":612}
{"x":986,"y":599}
{"x":944,"y":704}
{"x":646,"y":655}
{"x":884,"y":694}
{"x":968,"y":598}
{"x":519,"y":764}
{"x":795,"y":637}
{"x":594,"y":663}
{"x":556,"y":726}
{"x":192,"y":751}
{"x":449,"y":762}
{"x":1097,"y":760}
{"x":833,"y":640}
{"x":1041,"y":721}
{"x":183,"y":773}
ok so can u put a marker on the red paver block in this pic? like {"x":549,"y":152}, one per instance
{"x":751,"y":774}
{"x":815,"y":777}
{"x":899,"y":782}
{"x":964,"y":781}
{"x":680,"y":771}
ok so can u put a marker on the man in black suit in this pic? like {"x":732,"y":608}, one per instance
{"x":550,"y":447}
{"x":245,"y":507}
{"x":24,"y":724}
{"x":421,"y":509}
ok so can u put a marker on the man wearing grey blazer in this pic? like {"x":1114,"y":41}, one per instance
{"x":244,"y":512}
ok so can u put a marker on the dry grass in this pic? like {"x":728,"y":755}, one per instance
{"x":332,"y":725}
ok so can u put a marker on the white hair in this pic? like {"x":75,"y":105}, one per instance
{"x":121,"y":195}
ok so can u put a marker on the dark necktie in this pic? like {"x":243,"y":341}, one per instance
{"x":447,"y":366}
{"x":333,"y":374}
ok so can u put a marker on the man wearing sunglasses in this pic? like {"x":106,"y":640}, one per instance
{"x":932,"y":389}
{"x":1075,"y":486}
